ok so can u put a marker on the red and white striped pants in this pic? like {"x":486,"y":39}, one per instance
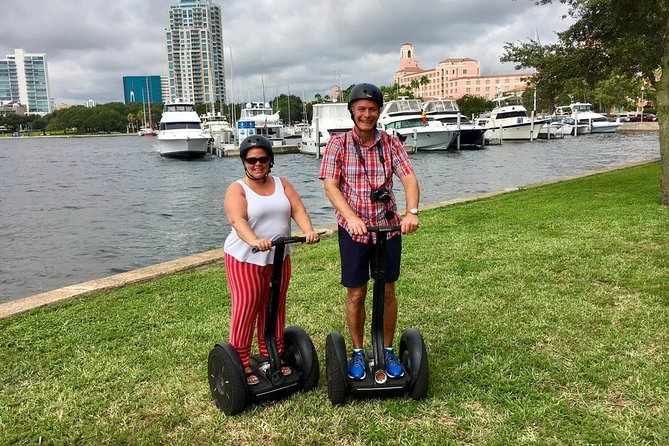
{"x":249,"y":287}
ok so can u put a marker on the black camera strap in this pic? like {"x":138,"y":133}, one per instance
{"x":362,"y":161}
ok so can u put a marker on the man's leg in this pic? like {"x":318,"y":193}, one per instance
{"x":355,"y":314}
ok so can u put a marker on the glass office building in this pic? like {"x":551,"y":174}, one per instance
{"x":142,"y":89}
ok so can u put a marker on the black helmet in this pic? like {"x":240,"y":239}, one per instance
{"x":256,"y":141}
{"x":365,"y":91}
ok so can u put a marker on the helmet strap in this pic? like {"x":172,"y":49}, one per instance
{"x":263,"y":179}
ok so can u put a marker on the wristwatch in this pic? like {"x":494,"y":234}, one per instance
{"x":413,"y":211}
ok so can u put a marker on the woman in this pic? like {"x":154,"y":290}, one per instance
{"x":259,"y":207}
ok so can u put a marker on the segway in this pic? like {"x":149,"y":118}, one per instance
{"x":376,"y":382}
{"x":227,"y":379}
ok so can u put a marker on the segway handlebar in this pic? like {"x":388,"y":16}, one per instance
{"x":392,"y":228}
{"x":284,"y":241}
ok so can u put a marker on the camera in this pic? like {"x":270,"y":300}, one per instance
{"x":381,"y":194}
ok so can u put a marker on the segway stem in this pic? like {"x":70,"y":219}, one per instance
{"x":273,"y":305}
{"x":379,"y":293}
{"x":272,"y":310}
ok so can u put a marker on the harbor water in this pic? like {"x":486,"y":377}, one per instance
{"x":76,"y":209}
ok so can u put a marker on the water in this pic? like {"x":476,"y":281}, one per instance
{"x":76,"y":209}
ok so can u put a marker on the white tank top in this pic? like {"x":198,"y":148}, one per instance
{"x":269,"y":217}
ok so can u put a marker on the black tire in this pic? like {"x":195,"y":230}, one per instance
{"x":335,"y":365}
{"x":300,"y":353}
{"x":414,"y":360}
{"x":227,"y":381}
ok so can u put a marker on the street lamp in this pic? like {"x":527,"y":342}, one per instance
{"x":642,"y":103}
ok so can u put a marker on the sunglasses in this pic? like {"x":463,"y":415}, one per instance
{"x":251,"y":160}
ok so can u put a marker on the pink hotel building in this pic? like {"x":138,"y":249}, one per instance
{"x":454,"y":78}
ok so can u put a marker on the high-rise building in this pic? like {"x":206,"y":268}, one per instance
{"x":194,"y":40}
{"x":142,"y":89}
{"x":24,"y":78}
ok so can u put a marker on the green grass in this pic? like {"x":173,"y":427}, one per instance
{"x":545,"y":314}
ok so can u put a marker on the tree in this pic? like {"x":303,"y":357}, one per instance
{"x":474,"y":105}
{"x":628,"y":39}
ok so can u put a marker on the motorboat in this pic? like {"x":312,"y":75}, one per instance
{"x":181,"y":134}
{"x":404,"y":117}
{"x":264,"y":120}
{"x":509,"y":121}
{"x":214,"y":123}
{"x":328,"y":118}
{"x":586,"y":119}
{"x":447,"y":112}
{"x":554,"y":129}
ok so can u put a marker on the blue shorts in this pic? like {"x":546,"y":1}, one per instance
{"x":358,"y":260}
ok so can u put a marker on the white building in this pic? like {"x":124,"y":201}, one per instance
{"x":194,"y":40}
{"x":24,"y":78}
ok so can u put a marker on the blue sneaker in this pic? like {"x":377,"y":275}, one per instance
{"x":394,"y":367}
{"x":358,"y":365}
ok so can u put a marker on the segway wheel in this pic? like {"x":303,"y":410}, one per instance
{"x":335,"y":365}
{"x":226,"y":379}
{"x":414,"y":360}
{"x":300,"y":353}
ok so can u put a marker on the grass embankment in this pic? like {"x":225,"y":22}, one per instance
{"x":544,"y":312}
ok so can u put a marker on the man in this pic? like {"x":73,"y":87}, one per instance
{"x":357,"y":172}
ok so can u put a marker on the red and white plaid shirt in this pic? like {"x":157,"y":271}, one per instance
{"x":341,"y":162}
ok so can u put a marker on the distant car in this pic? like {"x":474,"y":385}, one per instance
{"x":647,"y":117}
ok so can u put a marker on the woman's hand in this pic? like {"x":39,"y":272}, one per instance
{"x":262,"y":244}
{"x":312,"y":237}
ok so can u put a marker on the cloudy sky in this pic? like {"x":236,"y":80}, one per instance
{"x":291,"y":45}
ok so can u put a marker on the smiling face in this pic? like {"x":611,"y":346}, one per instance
{"x":365,"y":114}
{"x":256,"y":163}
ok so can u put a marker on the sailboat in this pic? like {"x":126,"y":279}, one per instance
{"x":147,"y":130}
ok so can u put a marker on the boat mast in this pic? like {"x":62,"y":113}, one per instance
{"x":149,"y":101}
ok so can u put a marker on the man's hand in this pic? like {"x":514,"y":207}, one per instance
{"x":356,"y":226}
{"x":409,"y":223}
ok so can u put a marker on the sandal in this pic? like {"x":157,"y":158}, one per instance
{"x":251,"y":378}
{"x":285,"y":369}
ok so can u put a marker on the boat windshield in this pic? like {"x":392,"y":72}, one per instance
{"x":404,"y":106}
{"x":256,"y":112}
{"x":445,"y":106}
{"x":511,"y":114}
{"x":508,"y":100}
{"x":179,"y":108}
{"x":405,"y":123}
{"x":581,"y":107}
{"x":454,"y":119}
{"x":179,"y":125}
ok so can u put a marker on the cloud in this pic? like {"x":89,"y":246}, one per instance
{"x":282,"y":44}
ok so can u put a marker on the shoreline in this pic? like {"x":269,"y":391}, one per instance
{"x":626,"y":127}
{"x":215,"y":256}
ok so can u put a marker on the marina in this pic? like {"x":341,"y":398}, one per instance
{"x":77,"y":209}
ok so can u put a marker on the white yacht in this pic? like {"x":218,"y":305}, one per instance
{"x":509,"y":121}
{"x":587,"y":121}
{"x":447,"y":112}
{"x":213,"y":123}
{"x":180,"y":134}
{"x":266,"y":122}
{"x":404,"y":118}
{"x":328,"y":118}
